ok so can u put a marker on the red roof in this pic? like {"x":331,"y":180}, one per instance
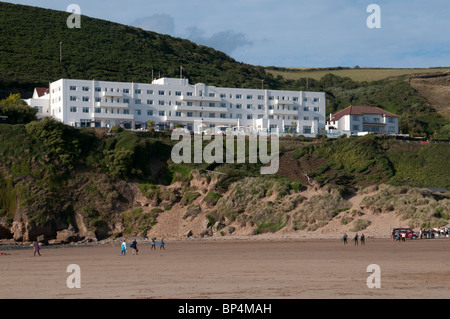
{"x":361,"y":110}
{"x":41,"y":91}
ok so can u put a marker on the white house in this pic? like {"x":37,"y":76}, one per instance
{"x":170,"y":101}
{"x":360,"y":120}
{"x":40,"y":101}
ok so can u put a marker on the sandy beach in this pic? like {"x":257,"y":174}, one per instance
{"x":253,"y":267}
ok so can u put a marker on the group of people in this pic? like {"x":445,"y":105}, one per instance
{"x":134,"y":247}
{"x":361,"y":238}
{"x":432,"y":233}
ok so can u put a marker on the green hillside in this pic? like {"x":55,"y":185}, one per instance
{"x":102,"y":50}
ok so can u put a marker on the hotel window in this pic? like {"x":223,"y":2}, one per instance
{"x":149,"y":91}
{"x":189,"y":103}
{"x":98,"y":110}
{"x":249,"y":106}
{"x":85,"y":110}
{"x":137,"y":91}
{"x":249,"y":97}
{"x":223,"y":115}
{"x":249,"y":117}
{"x":162,"y":113}
{"x":177,"y":93}
{"x":73,"y":109}
{"x":391,"y":120}
{"x":316,"y":118}
{"x":126,"y":111}
{"x":260,"y":116}
{"x":149,"y":112}
{"x":295,"y":99}
{"x":137,"y":101}
{"x":160,"y":102}
{"x":150,"y":102}
{"x":239,"y":116}
{"x":73,"y":98}
{"x":126,"y":100}
{"x":72,"y":88}
{"x":189,"y":114}
{"x":355,"y":127}
{"x":138,"y":112}
{"x":316,"y":109}
{"x":305,"y":109}
{"x":270,"y":98}
{"x":306,"y":118}
{"x":260,"y":97}
{"x":239,"y":106}
{"x":98,"y":89}
{"x":223,"y":104}
{"x":239,"y":96}
{"x":98,"y":99}
{"x":178,"y":114}
{"x":316,"y":99}
{"x":160,"y":92}
{"x":306,"y":129}
{"x":212,"y":115}
{"x":305,"y":99}
{"x":260,"y":107}
{"x":355,"y":118}
{"x":212,"y":95}
{"x":126,"y":91}
{"x":295,"y":117}
{"x":178,"y":103}
{"x":223,"y":96}
{"x":189,"y":93}
{"x":85,"y":99}
{"x":85,"y":88}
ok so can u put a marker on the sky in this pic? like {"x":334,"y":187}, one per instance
{"x":292,"y":33}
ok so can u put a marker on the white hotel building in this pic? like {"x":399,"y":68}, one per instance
{"x":171,"y":101}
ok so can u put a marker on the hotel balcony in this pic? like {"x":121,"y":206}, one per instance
{"x":112,"y":94}
{"x":200,"y":99}
{"x":111,"y":104}
{"x":197,"y":108}
{"x":283,"y":112}
{"x":113,"y":116}
{"x":284,"y":102}
{"x":215,"y":120}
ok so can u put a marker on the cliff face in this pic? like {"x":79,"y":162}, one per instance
{"x":249,"y":206}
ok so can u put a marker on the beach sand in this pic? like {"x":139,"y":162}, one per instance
{"x":242,"y":268}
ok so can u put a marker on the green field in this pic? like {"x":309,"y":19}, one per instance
{"x":356,"y":74}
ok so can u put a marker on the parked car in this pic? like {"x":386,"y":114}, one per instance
{"x":409,"y":233}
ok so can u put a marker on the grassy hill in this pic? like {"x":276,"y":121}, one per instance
{"x":356,"y":74}
{"x":104,"y":50}
{"x":52,"y":176}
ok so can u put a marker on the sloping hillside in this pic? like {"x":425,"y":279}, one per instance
{"x":103,"y":50}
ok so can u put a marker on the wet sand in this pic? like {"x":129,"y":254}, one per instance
{"x":233,"y":269}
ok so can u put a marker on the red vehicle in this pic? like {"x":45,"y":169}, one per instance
{"x":404,"y":232}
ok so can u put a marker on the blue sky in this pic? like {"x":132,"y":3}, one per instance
{"x":292,"y":33}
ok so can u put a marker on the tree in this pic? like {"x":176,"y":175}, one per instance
{"x":17,"y":111}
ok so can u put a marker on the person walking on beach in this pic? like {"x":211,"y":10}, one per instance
{"x":162,"y":244}
{"x":37,"y":249}
{"x":363,"y":240}
{"x":124,"y":248}
{"x":356,"y":239}
{"x":153,"y":243}
{"x":134,"y":247}
{"x":345,"y":239}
